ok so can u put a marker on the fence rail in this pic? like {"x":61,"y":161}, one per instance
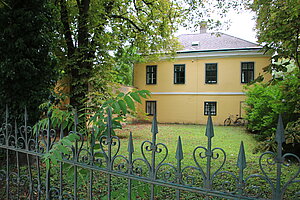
{"x":92,"y":168}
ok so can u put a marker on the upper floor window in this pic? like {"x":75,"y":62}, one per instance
{"x":247,"y":72}
{"x":179,"y":74}
{"x":211,"y":71}
{"x":210,"y":107}
{"x":150,"y":107}
{"x":151,"y":74}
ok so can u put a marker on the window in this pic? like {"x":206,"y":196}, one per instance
{"x":211,"y":70}
{"x":210,"y":106}
{"x":150,"y":107}
{"x":179,"y":74}
{"x":247,"y":72}
{"x":195,"y":43}
{"x":151,"y":74}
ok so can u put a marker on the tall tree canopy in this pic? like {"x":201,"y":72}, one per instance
{"x":278,"y":26}
{"x":27,"y":64}
{"x":95,"y":33}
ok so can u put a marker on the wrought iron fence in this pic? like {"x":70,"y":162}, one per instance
{"x":92,"y":168}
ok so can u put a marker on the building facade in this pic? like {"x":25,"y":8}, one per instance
{"x":207,"y":75}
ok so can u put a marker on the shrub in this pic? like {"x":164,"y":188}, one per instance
{"x":265,"y":101}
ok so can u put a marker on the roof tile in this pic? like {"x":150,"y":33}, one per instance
{"x":213,"y":41}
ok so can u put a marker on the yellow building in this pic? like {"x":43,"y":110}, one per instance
{"x":208,"y":74}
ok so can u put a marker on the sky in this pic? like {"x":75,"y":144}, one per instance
{"x":242,"y":26}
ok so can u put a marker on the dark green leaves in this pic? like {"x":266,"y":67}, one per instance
{"x":121,"y":105}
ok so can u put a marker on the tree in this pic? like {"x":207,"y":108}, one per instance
{"x":278,"y":27}
{"x":95,"y":33}
{"x":27,"y":63}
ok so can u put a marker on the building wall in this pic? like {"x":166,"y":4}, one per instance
{"x":184,"y":103}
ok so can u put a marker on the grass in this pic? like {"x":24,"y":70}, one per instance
{"x":228,"y":138}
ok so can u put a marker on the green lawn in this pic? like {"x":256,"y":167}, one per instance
{"x":228,"y":138}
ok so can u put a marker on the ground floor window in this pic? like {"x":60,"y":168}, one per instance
{"x":150,"y":107}
{"x":210,"y":106}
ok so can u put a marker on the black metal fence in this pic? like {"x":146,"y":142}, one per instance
{"x":92,"y":168}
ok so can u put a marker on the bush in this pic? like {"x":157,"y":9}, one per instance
{"x":265,"y":101}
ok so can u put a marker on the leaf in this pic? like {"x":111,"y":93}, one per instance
{"x":116,"y":107}
{"x":123,"y":106}
{"x":66,"y":142}
{"x":57,"y":154}
{"x":144,"y":93}
{"x":53,"y":159}
{"x":121,"y":94}
{"x":129,"y":102}
{"x":136,"y":97}
{"x":62,"y":149}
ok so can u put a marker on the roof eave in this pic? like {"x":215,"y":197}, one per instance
{"x":220,"y":53}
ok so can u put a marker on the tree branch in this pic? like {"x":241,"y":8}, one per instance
{"x":5,"y":4}
{"x":67,"y":29}
{"x":128,"y":20}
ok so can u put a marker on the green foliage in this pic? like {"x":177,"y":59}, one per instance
{"x":277,"y":26}
{"x":265,"y":101}
{"x":122,"y":71}
{"x":120,"y":106}
{"x":61,"y":147}
{"x":108,"y":35}
{"x":112,"y":34}
{"x":65,"y":121}
{"x":27,"y":62}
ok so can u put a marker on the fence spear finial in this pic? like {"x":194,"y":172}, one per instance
{"x":209,"y":127}
{"x":241,"y":162}
{"x":280,"y":131}
{"x":26,"y":115}
{"x":109,"y":122}
{"x":179,"y":152}
{"x":6,"y":112}
{"x":154,"y":128}
{"x":130,"y":144}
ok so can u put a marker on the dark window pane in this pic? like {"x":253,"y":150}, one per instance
{"x":247,"y":72}
{"x":211,"y":71}
{"x":179,"y":74}
{"x":151,"y":74}
{"x":210,"y":107}
{"x":150,"y":107}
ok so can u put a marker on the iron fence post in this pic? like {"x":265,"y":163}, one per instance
{"x":209,"y":134}
{"x":27,"y":155}
{"x":48,"y":195}
{"x":179,"y":158}
{"x":109,"y":141}
{"x":279,"y":159}
{"x":92,"y":147}
{"x":75,"y":158}
{"x":61,"y":168}
{"x":130,"y":150}
{"x":154,"y":130}
{"x":7,"y":152}
{"x":38,"y":164}
{"x":241,"y":164}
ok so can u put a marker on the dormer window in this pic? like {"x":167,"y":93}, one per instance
{"x":196,"y":43}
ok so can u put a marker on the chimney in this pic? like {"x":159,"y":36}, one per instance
{"x":203,"y":27}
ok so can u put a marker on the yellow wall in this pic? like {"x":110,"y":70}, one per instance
{"x":189,"y":108}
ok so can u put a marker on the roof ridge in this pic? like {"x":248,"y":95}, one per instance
{"x":216,"y":33}
{"x":239,"y":38}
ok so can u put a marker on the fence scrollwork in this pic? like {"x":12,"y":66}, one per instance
{"x":101,"y":157}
